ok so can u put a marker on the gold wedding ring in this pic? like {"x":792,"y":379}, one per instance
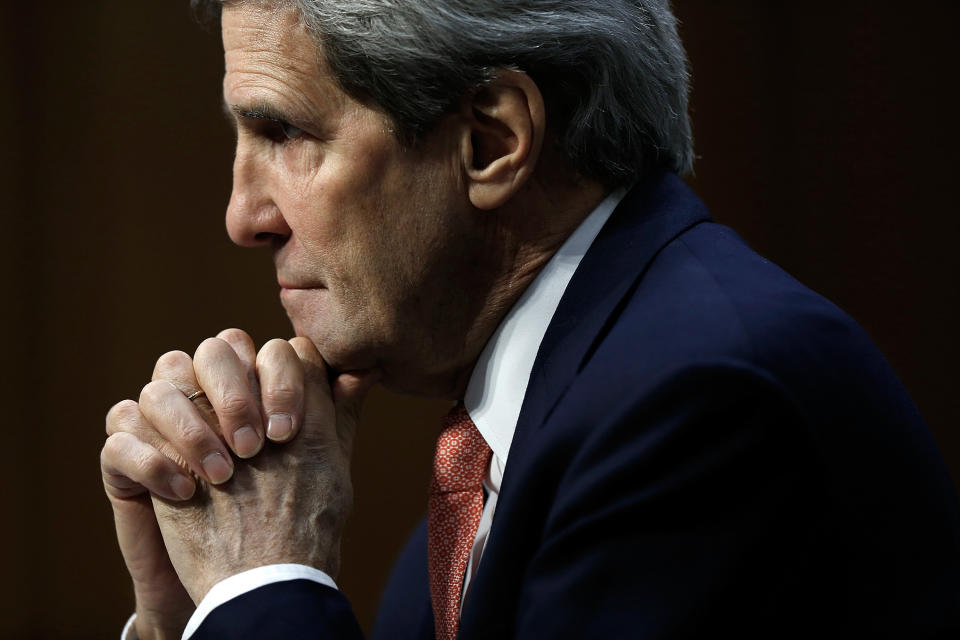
{"x":196,"y":394}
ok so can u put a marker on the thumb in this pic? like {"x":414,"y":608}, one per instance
{"x":338,"y":400}
{"x":318,"y":411}
{"x":350,"y":389}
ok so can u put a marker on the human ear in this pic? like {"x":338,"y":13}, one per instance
{"x":506,"y":122}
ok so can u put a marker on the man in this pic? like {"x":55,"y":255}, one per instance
{"x":661,"y":434}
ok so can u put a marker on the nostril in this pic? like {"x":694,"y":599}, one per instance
{"x":269,"y":237}
{"x":252,"y":219}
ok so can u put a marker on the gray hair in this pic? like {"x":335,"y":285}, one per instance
{"x":613,"y":73}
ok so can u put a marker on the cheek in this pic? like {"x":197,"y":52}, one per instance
{"x":340,"y":217}
{"x":308,"y":197}
{"x":302,"y":162}
{"x":349,"y":198}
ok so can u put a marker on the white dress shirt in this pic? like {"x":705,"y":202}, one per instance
{"x":494,"y":396}
{"x":499,"y":380}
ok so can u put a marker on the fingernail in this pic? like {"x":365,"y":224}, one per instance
{"x":182,"y":487}
{"x":279,"y":427}
{"x":246,"y":442}
{"x":217,"y":468}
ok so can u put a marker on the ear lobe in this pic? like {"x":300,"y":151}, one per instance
{"x":506,"y":128}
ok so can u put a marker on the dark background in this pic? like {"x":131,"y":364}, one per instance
{"x":826,"y":135}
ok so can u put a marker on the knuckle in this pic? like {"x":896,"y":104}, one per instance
{"x":151,"y":465}
{"x":274,"y":345}
{"x":234,"y":334}
{"x":173,"y":360}
{"x":209,"y":347}
{"x":232,"y":405}
{"x":272,"y":353}
{"x":121,"y":413}
{"x":301,"y":344}
{"x":154,"y":392}
{"x":109,"y":451}
{"x":192,"y":436}
{"x":280,"y":395}
{"x":116,"y":449}
{"x":105,"y":461}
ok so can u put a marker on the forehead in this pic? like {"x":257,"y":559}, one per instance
{"x":270,"y":56}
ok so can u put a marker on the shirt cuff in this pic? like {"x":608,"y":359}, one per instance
{"x":129,"y":631}
{"x":248,"y":581}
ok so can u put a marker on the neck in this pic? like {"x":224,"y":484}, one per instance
{"x":524,"y":235}
{"x":488,"y":260}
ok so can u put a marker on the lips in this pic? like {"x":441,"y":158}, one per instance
{"x":293,"y":284}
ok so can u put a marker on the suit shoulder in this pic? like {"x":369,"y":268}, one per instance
{"x":709,"y":302}
{"x":710,"y":311}
{"x":707,"y":294}
{"x":707,"y":297}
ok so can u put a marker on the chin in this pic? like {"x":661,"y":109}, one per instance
{"x":338,"y":355}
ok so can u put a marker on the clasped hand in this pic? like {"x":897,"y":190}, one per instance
{"x":187,"y":513}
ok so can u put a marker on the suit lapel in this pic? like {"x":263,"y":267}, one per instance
{"x":653,"y":213}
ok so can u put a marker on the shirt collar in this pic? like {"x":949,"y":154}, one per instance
{"x":499,"y":380}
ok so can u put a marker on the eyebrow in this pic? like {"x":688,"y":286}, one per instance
{"x":256,"y":111}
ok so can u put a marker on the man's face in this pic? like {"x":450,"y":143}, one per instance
{"x":366,"y":233}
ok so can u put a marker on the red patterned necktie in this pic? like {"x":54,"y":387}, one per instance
{"x":456,"y":503}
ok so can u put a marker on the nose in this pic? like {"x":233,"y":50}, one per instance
{"x":253,"y":217}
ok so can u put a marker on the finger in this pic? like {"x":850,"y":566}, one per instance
{"x":215,"y":463}
{"x":246,"y":350}
{"x":130,"y":467}
{"x":319,"y":415}
{"x":125,"y":417}
{"x":314,"y":367}
{"x":176,"y":419}
{"x":318,"y":402}
{"x":121,"y":415}
{"x":176,"y":367}
{"x":281,"y":389}
{"x":222,"y":375}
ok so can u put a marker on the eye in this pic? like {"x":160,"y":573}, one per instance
{"x":276,"y":130}
{"x":289,"y":131}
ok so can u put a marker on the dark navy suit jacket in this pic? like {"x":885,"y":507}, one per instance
{"x":706,"y":447}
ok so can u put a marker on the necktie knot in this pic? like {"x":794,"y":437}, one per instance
{"x":462,"y":455}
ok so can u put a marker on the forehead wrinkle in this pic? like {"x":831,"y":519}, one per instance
{"x":265,"y":63}
{"x":278,"y":64}
{"x":275,"y":70}
{"x":305,"y":99}
{"x":278,"y":31}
